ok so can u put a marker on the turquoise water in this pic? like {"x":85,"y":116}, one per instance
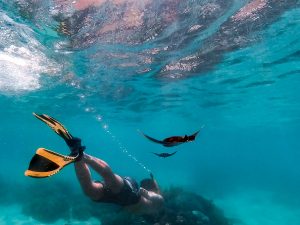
{"x":230,"y":66}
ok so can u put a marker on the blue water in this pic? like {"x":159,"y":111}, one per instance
{"x":231,"y":67}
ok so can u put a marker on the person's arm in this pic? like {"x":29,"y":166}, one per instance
{"x":155,"y":199}
{"x":149,"y":203}
{"x":155,"y":183}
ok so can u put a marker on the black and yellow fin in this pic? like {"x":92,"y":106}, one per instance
{"x":46,"y":163}
{"x":55,"y":125}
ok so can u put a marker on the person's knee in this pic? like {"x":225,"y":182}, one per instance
{"x":92,"y":194}
{"x":95,"y":198}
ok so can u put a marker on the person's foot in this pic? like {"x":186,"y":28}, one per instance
{"x":76,"y":148}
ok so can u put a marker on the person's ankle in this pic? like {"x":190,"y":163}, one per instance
{"x":79,"y":157}
{"x":75,"y":146}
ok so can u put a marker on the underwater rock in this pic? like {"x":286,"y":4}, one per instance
{"x":46,"y":202}
{"x":200,"y":215}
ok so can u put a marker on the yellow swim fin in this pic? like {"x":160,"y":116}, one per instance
{"x":55,"y":125}
{"x":46,"y":163}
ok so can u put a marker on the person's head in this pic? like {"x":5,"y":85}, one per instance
{"x":149,"y":185}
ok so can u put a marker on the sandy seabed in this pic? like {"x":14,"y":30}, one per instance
{"x":12,"y":215}
{"x":256,"y":207}
{"x":244,"y":207}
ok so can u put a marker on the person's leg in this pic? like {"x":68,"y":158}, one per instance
{"x":92,"y":189}
{"x":113,"y":181}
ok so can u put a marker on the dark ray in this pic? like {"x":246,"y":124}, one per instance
{"x":164,"y":154}
{"x":174,"y":140}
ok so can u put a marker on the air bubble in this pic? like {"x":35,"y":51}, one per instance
{"x":81,"y":96}
{"x":99,"y":118}
{"x":121,"y":147}
{"x":89,"y":109}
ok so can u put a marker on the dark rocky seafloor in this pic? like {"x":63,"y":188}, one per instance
{"x":48,"y":201}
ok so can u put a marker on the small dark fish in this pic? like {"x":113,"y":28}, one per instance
{"x":164,"y":155}
{"x":174,"y":140}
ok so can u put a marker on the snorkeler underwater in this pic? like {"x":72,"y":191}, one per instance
{"x":99,"y":70}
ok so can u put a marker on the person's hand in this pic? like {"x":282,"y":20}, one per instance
{"x":151,"y":175}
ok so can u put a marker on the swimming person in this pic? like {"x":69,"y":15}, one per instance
{"x":123,"y":191}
